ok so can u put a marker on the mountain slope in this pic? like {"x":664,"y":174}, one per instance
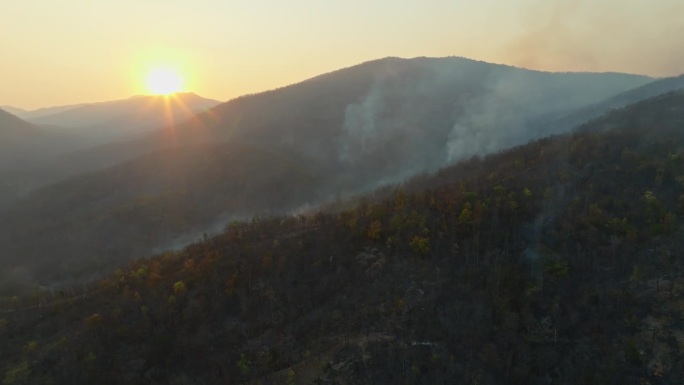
{"x":399,"y":116}
{"x":27,"y":153}
{"x":566,"y":121}
{"x":20,"y":141}
{"x":350,"y":130}
{"x":417,"y":113}
{"x":75,"y":138}
{"x":553,"y":262}
{"x":139,"y":206}
{"x":14,"y":130}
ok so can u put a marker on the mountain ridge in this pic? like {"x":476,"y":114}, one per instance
{"x":352,"y":131}
{"x":576,"y":117}
{"x":550,"y":261}
{"x":326,"y":116}
{"x":180,"y":106}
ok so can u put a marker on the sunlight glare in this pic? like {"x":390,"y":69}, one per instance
{"x":164,"y":81}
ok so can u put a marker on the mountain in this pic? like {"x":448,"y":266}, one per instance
{"x":149,"y":203}
{"x":414,"y":114}
{"x":23,"y":146}
{"x":116,"y":120}
{"x":345,"y":132}
{"x":392,"y":117}
{"x":40,"y":112}
{"x":72,"y":136}
{"x":14,"y":130}
{"x":38,"y":169}
{"x":19,"y":140}
{"x":552,"y":262}
{"x":13,"y":110}
{"x":21,"y":143}
{"x":560,"y":123}
{"x":655,"y":88}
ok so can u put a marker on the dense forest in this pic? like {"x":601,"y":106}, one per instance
{"x":556,"y":262}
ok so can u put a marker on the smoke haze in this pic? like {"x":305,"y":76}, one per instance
{"x":625,"y":36}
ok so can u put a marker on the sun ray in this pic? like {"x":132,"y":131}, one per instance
{"x":166,"y":82}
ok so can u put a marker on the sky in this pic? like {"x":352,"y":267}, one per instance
{"x":74,"y":51}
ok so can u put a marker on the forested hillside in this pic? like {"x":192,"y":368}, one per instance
{"x":554,"y":262}
{"x":99,"y":221}
{"x":332,"y":136}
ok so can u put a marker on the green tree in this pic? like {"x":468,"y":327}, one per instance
{"x":466,"y":216}
{"x":179,"y":288}
{"x":243,"y":365}
{"x":420,"y":245}
{"x":291,"y":377}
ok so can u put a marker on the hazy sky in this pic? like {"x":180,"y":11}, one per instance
{"x":70,"y":51}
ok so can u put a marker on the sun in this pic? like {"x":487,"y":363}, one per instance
{"x":164,"y":81}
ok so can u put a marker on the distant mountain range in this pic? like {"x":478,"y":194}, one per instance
{"x":37,"y":113}
{"x":329,"y":137}
{"x":55,"y":131}
{"x":13,"y":110}
{"x":119,"y":119}
{"x":98,"y":123}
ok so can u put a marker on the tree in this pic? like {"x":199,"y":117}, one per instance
{"x":374,"y":230}
{"x":420,"y":245}
{"x":291,"y":377}
{"x":243,"y":365}
{"x":179,"y":289}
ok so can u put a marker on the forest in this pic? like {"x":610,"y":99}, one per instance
{"x":554,"y":262}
